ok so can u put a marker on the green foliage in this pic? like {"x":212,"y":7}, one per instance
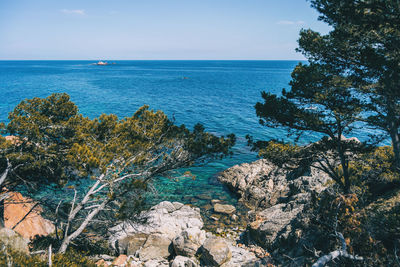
{"x":320,"y":101}
{"x":71,"y":258}
{"x":44,"y":129}
{"x":281,"y":153}
{"x":53,"y":144}
{"x":53,"y":141}
{"x":344,"y":214}
{"x":140,"y":137}
{"x":374,"y":171}
{"x":363,"y":46}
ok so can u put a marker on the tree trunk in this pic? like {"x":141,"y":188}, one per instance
{"x":344,"y":164}
{"x":3,"y":193}
{"x":394,"y":134}
{"x":68,"y":238}
{"x":2,"y":223}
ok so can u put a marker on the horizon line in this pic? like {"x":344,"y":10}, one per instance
{"x":153,"y":60}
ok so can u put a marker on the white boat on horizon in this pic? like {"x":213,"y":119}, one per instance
{"x":101,"y":63}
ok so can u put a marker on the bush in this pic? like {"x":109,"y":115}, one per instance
{"x":70,"y":259}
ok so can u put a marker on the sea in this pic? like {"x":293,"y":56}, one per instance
{"x":219,"y":94}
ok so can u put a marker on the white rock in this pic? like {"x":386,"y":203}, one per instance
{"x":189,"y":241}
{"x":215,"y":251}
{"x":181,"y":261}
{"x":166,"y":218}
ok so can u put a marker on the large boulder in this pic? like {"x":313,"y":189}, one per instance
{"x":13,"y":240}
{"x":275,"y":224}
{"x":157,"y":246}
{"x":248,"y":181}
{"x":165,"y":219}
{"x":215,"y":252}
{"x":133,"y":243}
{"x":26,"y":213}
{"x":189,"y":241}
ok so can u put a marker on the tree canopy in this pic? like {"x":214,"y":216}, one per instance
{"x":364,"y":46}
{"x":320,"y":101}
{"x":53,"y":143}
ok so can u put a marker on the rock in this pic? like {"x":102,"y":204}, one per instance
{"x":245,"y":180}
{"x":262,"y":184}
{"x":226,"y":209}
{"x":281,"y":201}
{"x":242,"y":257}
{"x":156,"y":247}
{"x":13,"y":240}
{"x":16,"y":207}
{"x":166,"y":218}
{"x":132,"y":243}
{"x":101,"y":263}
{"x":215,"y":201}
{"x":234,"y":217}
{"x":156,"y":263}
{"x":181,"y":261}
{"x":121,"y":260}
{"x":214,"y":218}
{"x":204,"y":197}
{"x":275,"y":224}
{"x":189,"y":241}
{"x":215,"y":251}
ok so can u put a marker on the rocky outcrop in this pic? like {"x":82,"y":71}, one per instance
{"x":24,"y":214}
{"x":13,"y":240}
{"x":279,"y":199}
{"x":166,"y":219}
{"x":262,"y":184}
{"x":170,"y":234}
{"x":272,"y":226}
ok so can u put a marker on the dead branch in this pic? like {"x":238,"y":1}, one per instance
{"x":322,"y":261}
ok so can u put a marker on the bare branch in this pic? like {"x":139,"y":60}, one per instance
{"x":322,"y":261}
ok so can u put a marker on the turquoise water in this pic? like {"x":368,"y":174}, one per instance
{"x":218,"y":94}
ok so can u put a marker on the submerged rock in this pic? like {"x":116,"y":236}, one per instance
{"x":225,"y":209}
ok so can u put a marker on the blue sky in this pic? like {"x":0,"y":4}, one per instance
{"x":154,"y":29}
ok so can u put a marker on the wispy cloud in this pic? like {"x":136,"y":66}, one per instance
{"x":290,"y":22}
{"x":74,"y":11}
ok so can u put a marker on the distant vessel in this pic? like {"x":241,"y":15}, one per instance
{"x":101,"y":63}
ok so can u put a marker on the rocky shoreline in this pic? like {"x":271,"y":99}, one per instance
{"x":174,"y":234}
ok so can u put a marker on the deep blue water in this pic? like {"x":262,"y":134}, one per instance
{"x":219,"y":94}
